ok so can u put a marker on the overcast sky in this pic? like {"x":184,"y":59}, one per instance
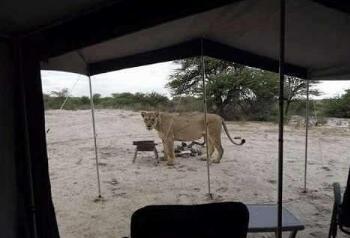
{"x":151,"y":78}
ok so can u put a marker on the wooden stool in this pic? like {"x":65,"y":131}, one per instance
{"x":146,"y":145}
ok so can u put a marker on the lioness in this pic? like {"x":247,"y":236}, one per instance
{"x":187,"y":127}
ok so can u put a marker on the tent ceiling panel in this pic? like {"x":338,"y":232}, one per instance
{"x":250,"y":26}
{"x":194,"y":48}
{"x":121,"y":18}
{"x":19,"y":16}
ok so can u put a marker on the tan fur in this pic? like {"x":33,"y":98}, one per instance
{"x":186,"y":127}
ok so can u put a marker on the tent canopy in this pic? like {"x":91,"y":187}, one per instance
{"x":242,"y":31}
{"x":112,"y":35}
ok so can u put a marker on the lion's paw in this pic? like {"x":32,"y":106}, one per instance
{"x":170,"y":163}
{"x":204,"y":158}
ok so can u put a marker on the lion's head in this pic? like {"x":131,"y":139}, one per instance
{"x":150,"y":119}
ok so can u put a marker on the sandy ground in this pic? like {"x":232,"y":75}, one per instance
{"x":247,"y":173}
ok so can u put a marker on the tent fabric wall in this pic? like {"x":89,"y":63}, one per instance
{"x":345,"y":209}
{"x":8,"y":195}
{"x":31,"y":137}
{"x":24,"y":170}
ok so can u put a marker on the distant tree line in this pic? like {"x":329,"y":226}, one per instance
{"x":129,"y":101}
{"x":338,"y":106}
{"x":234,"y":91}
{"x":333,"y":107}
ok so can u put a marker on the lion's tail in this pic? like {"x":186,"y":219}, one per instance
{"x":228,"y":135}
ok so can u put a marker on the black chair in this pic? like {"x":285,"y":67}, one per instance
{"x":215,"y":220}
{"x":341,"y":210}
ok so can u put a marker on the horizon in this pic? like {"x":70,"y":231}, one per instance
{"x":132,"y":80}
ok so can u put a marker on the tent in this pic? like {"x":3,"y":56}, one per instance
{"x":94,"y":36}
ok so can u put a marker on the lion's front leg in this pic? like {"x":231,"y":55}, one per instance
{"x":169,"y":150}
{"x":165,"y":157}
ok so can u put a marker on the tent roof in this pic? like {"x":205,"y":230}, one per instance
{"x":132,"y":33}
{"x":17,"y":16}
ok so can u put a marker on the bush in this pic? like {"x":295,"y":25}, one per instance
{"x":138,"y":101}
{"x":337,"y":107}
{"x":260,"y":110}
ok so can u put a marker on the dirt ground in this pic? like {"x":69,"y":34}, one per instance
{"x":246,"y":173}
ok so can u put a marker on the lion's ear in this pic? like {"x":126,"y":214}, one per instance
{"x":157,"y":114}
{"x":143,"y":114}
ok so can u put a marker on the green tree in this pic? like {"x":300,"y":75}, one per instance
{"x":97,"y":98}
{"x":295,"y":88}
{"x":338,"y":107}
{"x":84,"y":100}
{"x":61,"y":94}
{"x":56,"y":98}
{"x":154,"y":99}
{"x":232,"y":89}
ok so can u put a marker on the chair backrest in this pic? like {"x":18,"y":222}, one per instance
{"x":224,"y":220}
{"x":345,"y":207}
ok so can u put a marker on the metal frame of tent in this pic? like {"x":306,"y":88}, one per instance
{"x":306,"y":134}
{"x":281,"y":120}
{"x":280,"y":125}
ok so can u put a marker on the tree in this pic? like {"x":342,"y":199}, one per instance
{"x":232,"y":89}
{"x":187,"y":79}
{"x":154,"y":99}
{"x":84,"y":100}
{"x":96,"y":98}
{"x":296,"y":87}
{"x":61,"y":94}
{"x":339,"y":106}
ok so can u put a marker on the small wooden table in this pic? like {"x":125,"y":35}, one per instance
{"x":146,"y":145}
{"x":263,"y":218}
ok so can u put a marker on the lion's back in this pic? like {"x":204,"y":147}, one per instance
{"x":188,"y":126}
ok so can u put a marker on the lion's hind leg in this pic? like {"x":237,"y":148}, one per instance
{"x":220,"y":150}
{"x":215,"y":139}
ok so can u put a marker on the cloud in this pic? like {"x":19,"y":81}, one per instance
{"x":152,"y":78}
{"x":332,"y":88}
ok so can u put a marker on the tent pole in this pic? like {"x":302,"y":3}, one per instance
{"x":205,"y":117}
{"x":95,"y":141}
{"x":93,"y":123}
{"x":306,"y":132}
{"x":33,"y":208}
{"x":281,"y":117}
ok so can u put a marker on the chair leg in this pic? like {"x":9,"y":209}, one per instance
{"x":156,"y":155}
{"x":333,"y":226}
{"x":293,"y":234}
{"x":135,"y":155}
